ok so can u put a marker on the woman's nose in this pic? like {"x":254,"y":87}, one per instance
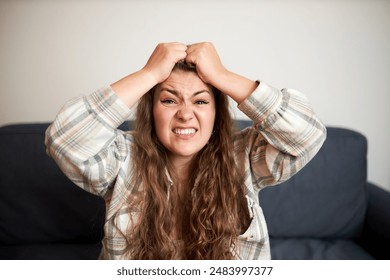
{"x":185,"y":113}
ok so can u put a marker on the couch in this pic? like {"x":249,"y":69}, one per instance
{"x":327,"y":211}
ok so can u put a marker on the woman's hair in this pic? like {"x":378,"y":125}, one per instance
{"x":215,"y":210}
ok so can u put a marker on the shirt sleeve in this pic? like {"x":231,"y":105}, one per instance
{"x":85,"y":142}
{"x":286,"y":134}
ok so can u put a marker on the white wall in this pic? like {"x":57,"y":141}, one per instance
{"x":336,"y":52}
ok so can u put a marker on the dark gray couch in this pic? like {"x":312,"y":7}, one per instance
{"x":327,"y":211}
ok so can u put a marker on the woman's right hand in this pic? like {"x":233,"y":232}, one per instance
{"x":157,"y":69}
{"x":163,"y":59}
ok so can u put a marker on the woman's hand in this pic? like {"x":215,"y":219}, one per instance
{"x":210,"y":69}
{"x":157,"y":69}
{"x":208,"y":64}
{"x":163,"y":59}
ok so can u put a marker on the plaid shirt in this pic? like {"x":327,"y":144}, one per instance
{"x":95,"y":155}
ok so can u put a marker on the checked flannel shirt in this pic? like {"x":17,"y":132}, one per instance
{"x":96,"y":156}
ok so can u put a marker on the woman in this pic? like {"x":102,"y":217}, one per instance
{"x":183,"y":185}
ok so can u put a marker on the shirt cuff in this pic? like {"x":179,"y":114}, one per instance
{"x":263,"y":102}
{"x":108,"y":106}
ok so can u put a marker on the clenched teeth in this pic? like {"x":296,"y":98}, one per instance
{"x":186,"y":131}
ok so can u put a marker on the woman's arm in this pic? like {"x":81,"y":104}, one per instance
{"x":84,"y":140}
{"x":286,"y":133}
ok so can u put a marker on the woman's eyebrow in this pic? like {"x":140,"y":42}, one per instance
{"x":176,"y":93}
{"x":201,"y":91}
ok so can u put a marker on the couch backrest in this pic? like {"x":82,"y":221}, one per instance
{"x":38,"y":204}
{"x":327,"y":198}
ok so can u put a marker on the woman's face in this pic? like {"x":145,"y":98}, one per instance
{"x":184,"y":114}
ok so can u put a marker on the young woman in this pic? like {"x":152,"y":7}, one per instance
{"x":183,"y":184}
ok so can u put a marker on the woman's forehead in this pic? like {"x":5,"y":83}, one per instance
{"x":184,"y":83}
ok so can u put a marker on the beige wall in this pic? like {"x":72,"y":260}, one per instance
{"x":336,"y":52}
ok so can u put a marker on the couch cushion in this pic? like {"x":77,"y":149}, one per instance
{"x":38,"y":204}
{"x":316,"y":249}
{"x":327,"y":198}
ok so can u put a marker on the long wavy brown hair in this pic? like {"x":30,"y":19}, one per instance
{"x":215,"y":209}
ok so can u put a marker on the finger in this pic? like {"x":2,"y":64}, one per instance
{"x":190,"y":58}
{"x":179,"y":46}
{"x":196,"y":51}
{"x":172,"y":52}
{"x":192,"y":48}
{"x":192,"y":51}
{"x":179,"y":51}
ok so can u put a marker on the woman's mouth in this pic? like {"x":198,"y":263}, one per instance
{"x":184,"y":131}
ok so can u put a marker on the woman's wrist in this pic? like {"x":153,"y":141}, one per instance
{"x":132,"y":87}
{"x":236,"y":86}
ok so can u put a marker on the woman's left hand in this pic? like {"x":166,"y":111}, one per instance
{"x":208,"y":64}
{"x":210,"y":69}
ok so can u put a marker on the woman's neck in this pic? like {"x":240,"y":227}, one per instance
{"x":179,"y":190}
{"x":181,"y":168}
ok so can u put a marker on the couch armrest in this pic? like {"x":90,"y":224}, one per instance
{"x":376,"y":233}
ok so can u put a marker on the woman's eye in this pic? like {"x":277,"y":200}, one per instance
{"x":168,"y":101}
{"x":201,"y":102}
